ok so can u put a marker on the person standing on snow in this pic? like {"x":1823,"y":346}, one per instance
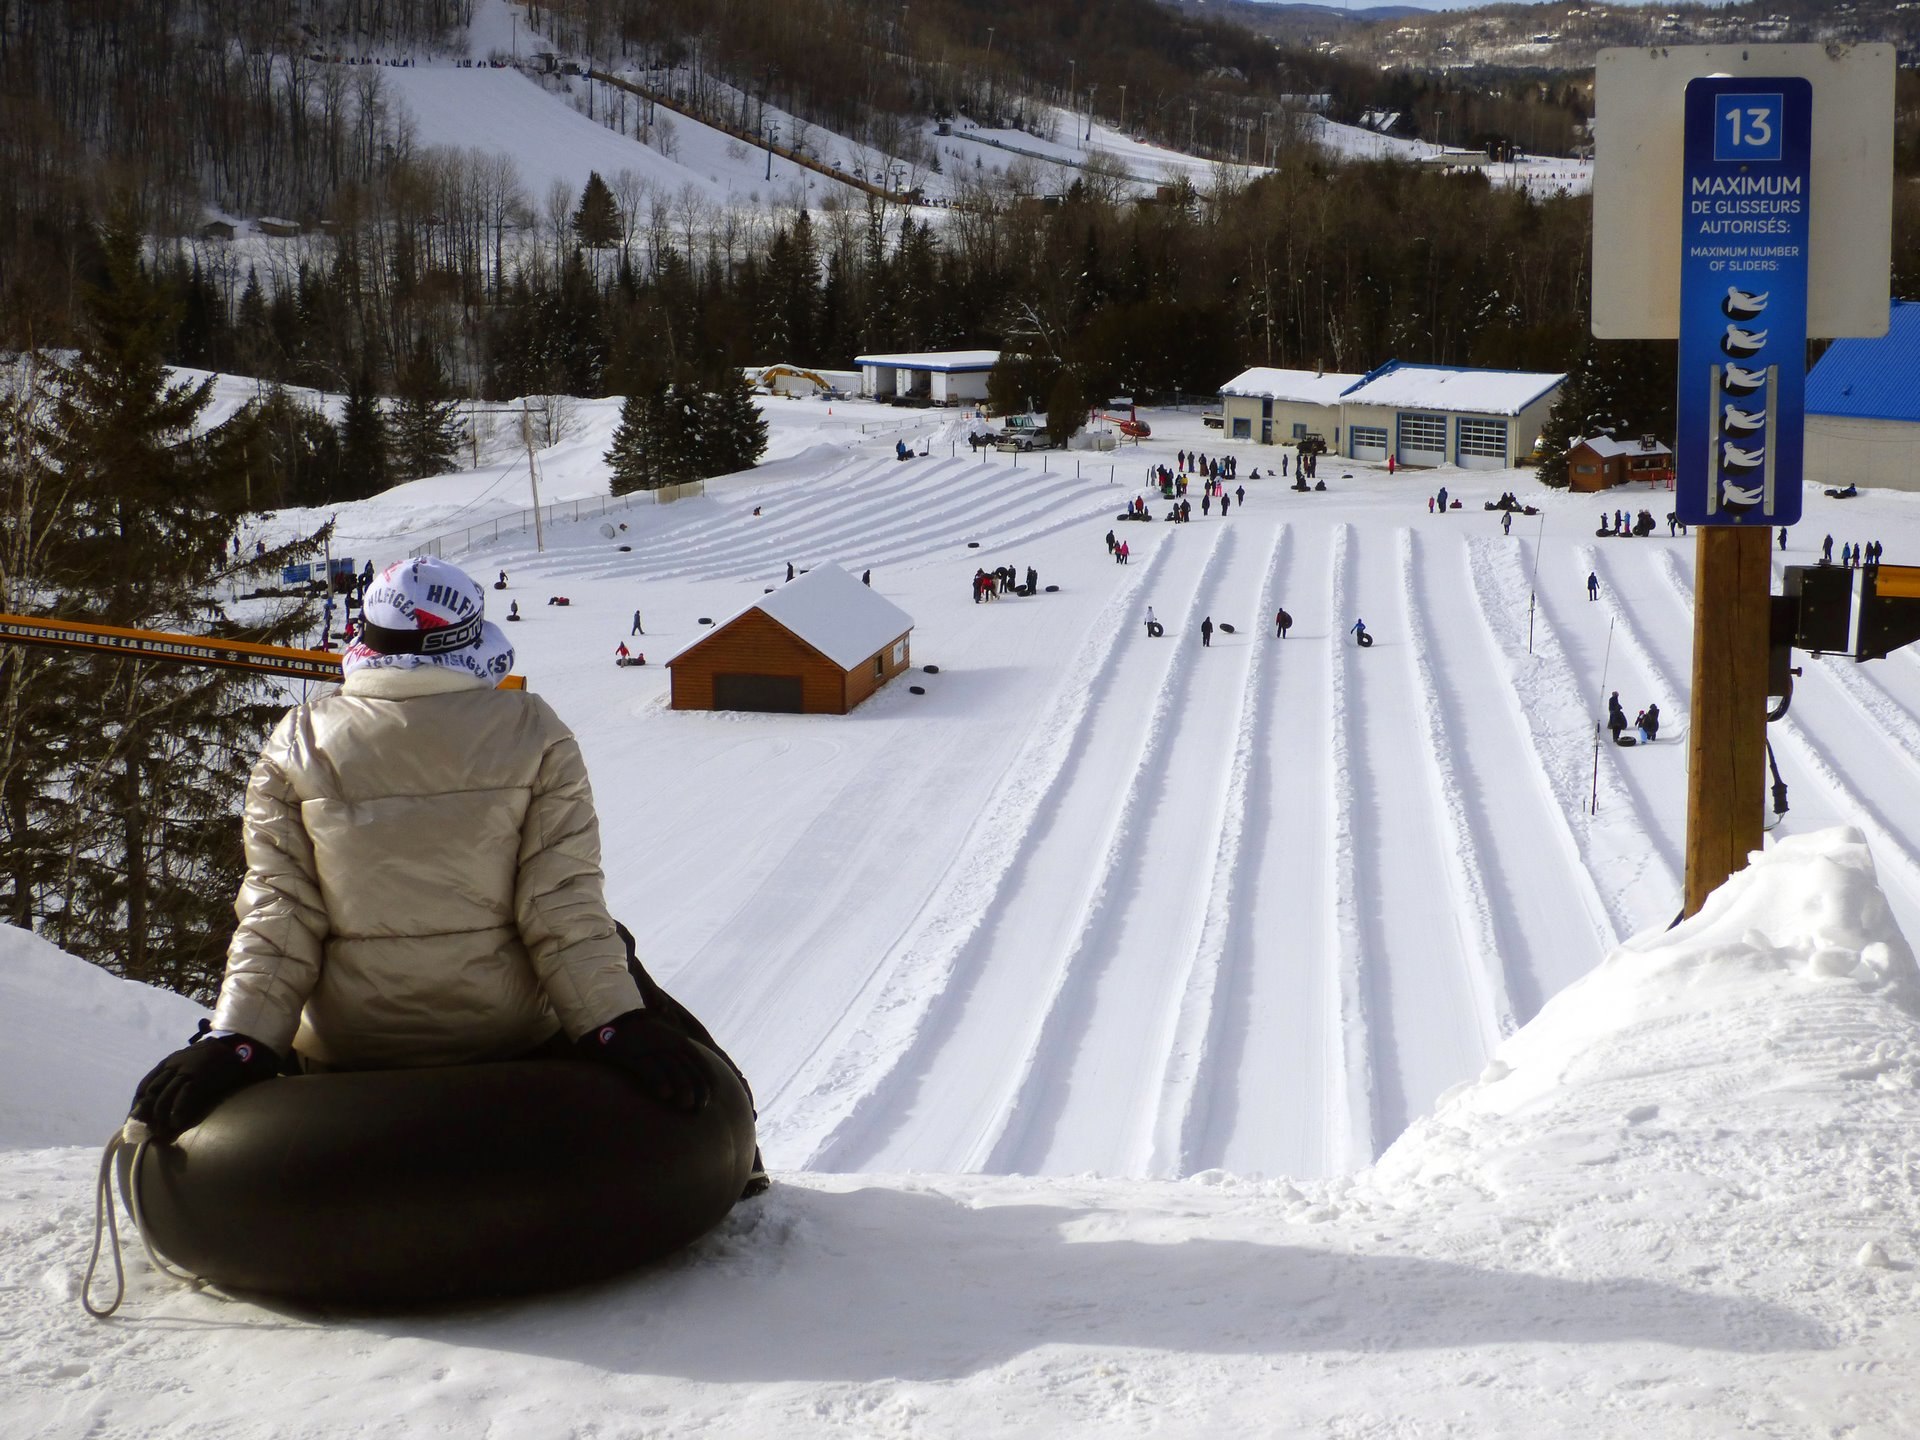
{"x":636,"y":630}
{"x":1506,"y":522}
{"x":423,"y":882}
{"x":1206,"y":631}
{"x":1240,"y":493}
{"x":1616,"y":716}
{"x":1282,"y":622}
{"x":1593,"y":586}
{"x":1360,"y":635}
{"x":1826,"y":551}
{"x":1154,"y":628}
{"x":1442,"y":497}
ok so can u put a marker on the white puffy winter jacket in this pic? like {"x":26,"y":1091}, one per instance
{"x":423,"y":880}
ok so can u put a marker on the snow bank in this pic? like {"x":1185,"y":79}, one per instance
{"x":1676,"y":1204}
{"x":74,"y":1041}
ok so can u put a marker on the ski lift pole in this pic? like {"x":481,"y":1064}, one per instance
{"x":533,"y":475}
{"x":1533,"y":589}
{"x":1606,"y":664}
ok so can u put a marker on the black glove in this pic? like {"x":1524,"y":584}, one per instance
{"x":661,"y":1058}
{"x":183,"y":1089}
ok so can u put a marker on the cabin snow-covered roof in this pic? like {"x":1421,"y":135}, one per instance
{"x":1399,"y":386}
{"x":1607,"y":448}
{"x":948,"y":360}
{"x":1871,"y":379}
{"x":1301,"y":386}
{"x":844,"y":620}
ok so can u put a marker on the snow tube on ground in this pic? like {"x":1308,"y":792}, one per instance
{"x":391,"y":1188}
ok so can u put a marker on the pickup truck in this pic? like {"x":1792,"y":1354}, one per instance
{"x":1024,"y":432}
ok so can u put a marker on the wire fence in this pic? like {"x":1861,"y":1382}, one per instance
{"x":521,"y":522}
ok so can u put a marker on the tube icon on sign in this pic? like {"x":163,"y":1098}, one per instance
{"x":1740,"y":381}
{"x":1742,"y":343}
{"x":1743,"y":305}
{"x":1739,"y":460}
{"x":1742,"y":422}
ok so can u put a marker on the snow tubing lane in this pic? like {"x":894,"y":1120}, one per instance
{"x":404,"y":1187}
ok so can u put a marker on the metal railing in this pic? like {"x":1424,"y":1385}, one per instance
{"x":520,"y":522}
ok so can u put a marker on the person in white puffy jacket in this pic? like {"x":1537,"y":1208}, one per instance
{"x":423,"y":879}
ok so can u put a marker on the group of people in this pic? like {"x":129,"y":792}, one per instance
{"x":1852,"y":554}
{"x":1437,"y":504}
{"x":1619,"y":523}
{"x":1646,"y":725}
{"x":1118,"y":549}
{"x":1218,"y":468}
{"x":1003,"y":580}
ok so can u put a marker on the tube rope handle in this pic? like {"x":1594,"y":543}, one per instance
{"x":136,"y":1134}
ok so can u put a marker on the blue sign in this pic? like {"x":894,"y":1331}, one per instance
{"x":1743,"y":300}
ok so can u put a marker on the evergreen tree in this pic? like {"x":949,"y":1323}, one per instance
{"x":366,"y":467}
{"x":1615,"y":387}
{"x":732,"y":431}
{"x":425,"y":424}
{"x":124,"y":505}
{"x":1066,"y":406}
{"x":596,"y":220}
{"x":632,"y":457}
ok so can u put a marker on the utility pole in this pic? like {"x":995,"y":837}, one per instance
{"x":1071,"y":72}
{"x":1092,"y":91}
{"x":1123,"y":109}
{"x":990,"y":107}
{"x":533,"y":475}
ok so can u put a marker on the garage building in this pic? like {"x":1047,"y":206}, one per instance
{"x":945,"y":377}
{"x":1447,"y":415}
{"x":1863,"y":408}
{"x":818,"y":645}
{"x":1279,"y":407}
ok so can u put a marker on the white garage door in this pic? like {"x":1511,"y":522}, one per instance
{"x":1483,"y":444}
{"x":1423,"y":440}
{"x":1369,"y":442}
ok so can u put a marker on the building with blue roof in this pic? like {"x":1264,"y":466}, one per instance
{"x":1863,"y":408}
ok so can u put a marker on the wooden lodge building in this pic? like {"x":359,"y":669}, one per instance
{"x":1603,"y":462}
{"x":817,"y":645}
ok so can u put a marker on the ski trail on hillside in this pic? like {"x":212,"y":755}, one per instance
{"x":1429,"y":1027}
{"x":1259,"y":1026}
{"x":995,"y":514}
{"x":1191,"y":1061}
{"x":1453,"y":741}
{"x":1619,"y":857}
{"x":1356,"y":1014}
{"x":925,"y":1063}
{"x":1090,"y":1092}
{"x":1530,"y":862}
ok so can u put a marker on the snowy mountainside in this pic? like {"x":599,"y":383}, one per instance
{"x":1678,"y":1202}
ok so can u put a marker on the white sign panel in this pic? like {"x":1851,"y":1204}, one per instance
{"x":1639,"y":109}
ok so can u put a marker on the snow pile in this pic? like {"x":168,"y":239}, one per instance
{"x":1676,"y":1204}
{"x":76,"y":1040}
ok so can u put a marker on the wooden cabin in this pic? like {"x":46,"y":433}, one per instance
{"x":817,"y":645}
{"x":1603,"y":462}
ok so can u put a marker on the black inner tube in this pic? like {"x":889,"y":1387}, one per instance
{"x":401,"y":1188}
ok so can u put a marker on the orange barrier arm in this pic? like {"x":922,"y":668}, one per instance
{"x":182,"y":649}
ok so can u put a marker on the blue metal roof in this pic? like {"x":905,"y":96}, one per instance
{"x":1872,"y":379}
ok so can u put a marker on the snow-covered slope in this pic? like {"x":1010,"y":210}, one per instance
{"x":1678,"y":1203}
{"x":1101,"y":902}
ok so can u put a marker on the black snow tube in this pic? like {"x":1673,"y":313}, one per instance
{"x":398,"y":1188}
{"x":1365,"y":639}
